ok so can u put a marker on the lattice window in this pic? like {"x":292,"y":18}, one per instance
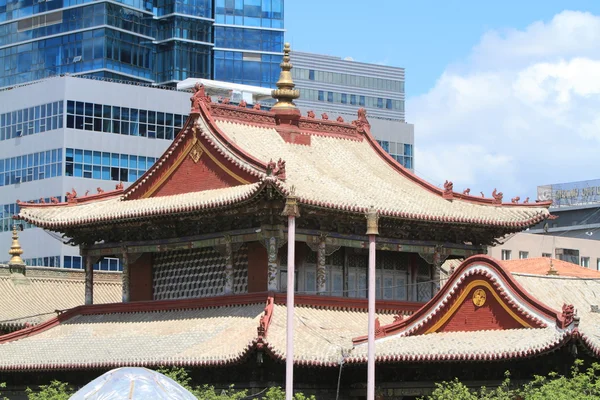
{"x":337,"y":258}
{"x":197,"y":273}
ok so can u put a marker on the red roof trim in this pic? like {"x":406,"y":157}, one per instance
{"x":350,"y":304}
{"x":78,"y":200}
{"x":225,"y":140}
{"x":446,"y":296}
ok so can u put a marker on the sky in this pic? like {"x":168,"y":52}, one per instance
{"x":503,"y":95}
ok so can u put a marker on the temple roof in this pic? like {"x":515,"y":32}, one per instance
{"x":332,"y":165}
{"x":226,"y":155}
{"x":521,"y":315}
{"x":482,"y":313}
{"x":36,"y":297}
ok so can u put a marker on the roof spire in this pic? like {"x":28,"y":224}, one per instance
{"x":551,"y":270}
{"x":285,"y":92}
{"x":16,"y":263}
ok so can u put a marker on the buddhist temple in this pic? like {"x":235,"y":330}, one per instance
{"x":203,"y":240}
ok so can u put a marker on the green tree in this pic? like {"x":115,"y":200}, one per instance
{"x":56,"y":390}
{"x":2,"y":386}
{"x":276,"y":393}
{"x":578,"y":386}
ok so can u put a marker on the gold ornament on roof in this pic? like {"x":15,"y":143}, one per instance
{"x":285,"y":92}
{"x":479,"y":297}
{"x":15,"y":249}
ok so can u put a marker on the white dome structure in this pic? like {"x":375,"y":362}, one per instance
{"x":133,"y":384}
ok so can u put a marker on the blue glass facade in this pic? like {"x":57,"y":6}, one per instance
{"x":161,"y":41}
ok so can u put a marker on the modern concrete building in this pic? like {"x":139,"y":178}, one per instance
{"x":584,"y":252}
{"x":72,"y":133}
{"x":577,"y":206}
{"x":339,"y":86}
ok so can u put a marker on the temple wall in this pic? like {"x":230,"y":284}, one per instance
{"x":197,"y":273}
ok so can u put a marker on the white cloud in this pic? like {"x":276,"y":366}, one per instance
{"x":522,"y":110}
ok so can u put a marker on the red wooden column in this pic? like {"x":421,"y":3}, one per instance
{"x":291,"y":211}
{"x":372,"y":232}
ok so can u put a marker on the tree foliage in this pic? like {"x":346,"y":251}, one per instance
{"x":56,"y":390}
{"x":207,"y":392}
{"x":579,"y":385}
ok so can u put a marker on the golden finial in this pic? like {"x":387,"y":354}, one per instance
{"x":552,"y":270}
{"x":15,"y":250}
{"x":285,"y":92}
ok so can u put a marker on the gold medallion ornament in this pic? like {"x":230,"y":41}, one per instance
{"x":479,"y":297}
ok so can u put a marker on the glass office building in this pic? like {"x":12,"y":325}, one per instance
{"x":157,"y":41}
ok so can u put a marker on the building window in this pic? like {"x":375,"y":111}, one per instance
{"x":106,"y":166}
{"x":311,"y":74}
{"x":31,"y":167}
{"x":31,"y":120}
{"x":585,"y":262}
{"x":330,"y":97}
{"x":547,"y":255}
{"x":598,"y":264}
{"x":523,"y":255}
{"x":388,"y":104}
{"x":321,"y":95}
{"x":506,"y":254}
{"x":361,"y":101}
{"x":123,"y":120}
{"x":353,"y":99}
{"x":7,"y":211}
{"x":379,"y":102}
{"x":344,"y":98}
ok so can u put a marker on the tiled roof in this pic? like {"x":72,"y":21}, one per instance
{"x":479,"y":345}
{"x":582,"y":293}
{"x":322,"y":335}
{"x":349,"y":173}
{"x":34,"y":298}
{"x":550,"y":293}
{"x":208,"y":331}
{"x":115,"y":208}
{"x":196,"y":336}
{"x":221,"y":330}
{"x":541,"y":266}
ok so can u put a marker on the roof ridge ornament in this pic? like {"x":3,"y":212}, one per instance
{"x":285,"y":92}
{"x":362,"y":123}
{"x":16,"y":263}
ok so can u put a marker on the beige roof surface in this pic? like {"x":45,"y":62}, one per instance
{"x":224,"y":334}
{"x":190,"y":337}
{"x":115,"y":208}
{"x":35,"y":298}
{"x":583,"y":293}
{"x":332,"y":172}
{"x":479,"y":345}
{"x":321,"y":335}
{"x":350,"y":174}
